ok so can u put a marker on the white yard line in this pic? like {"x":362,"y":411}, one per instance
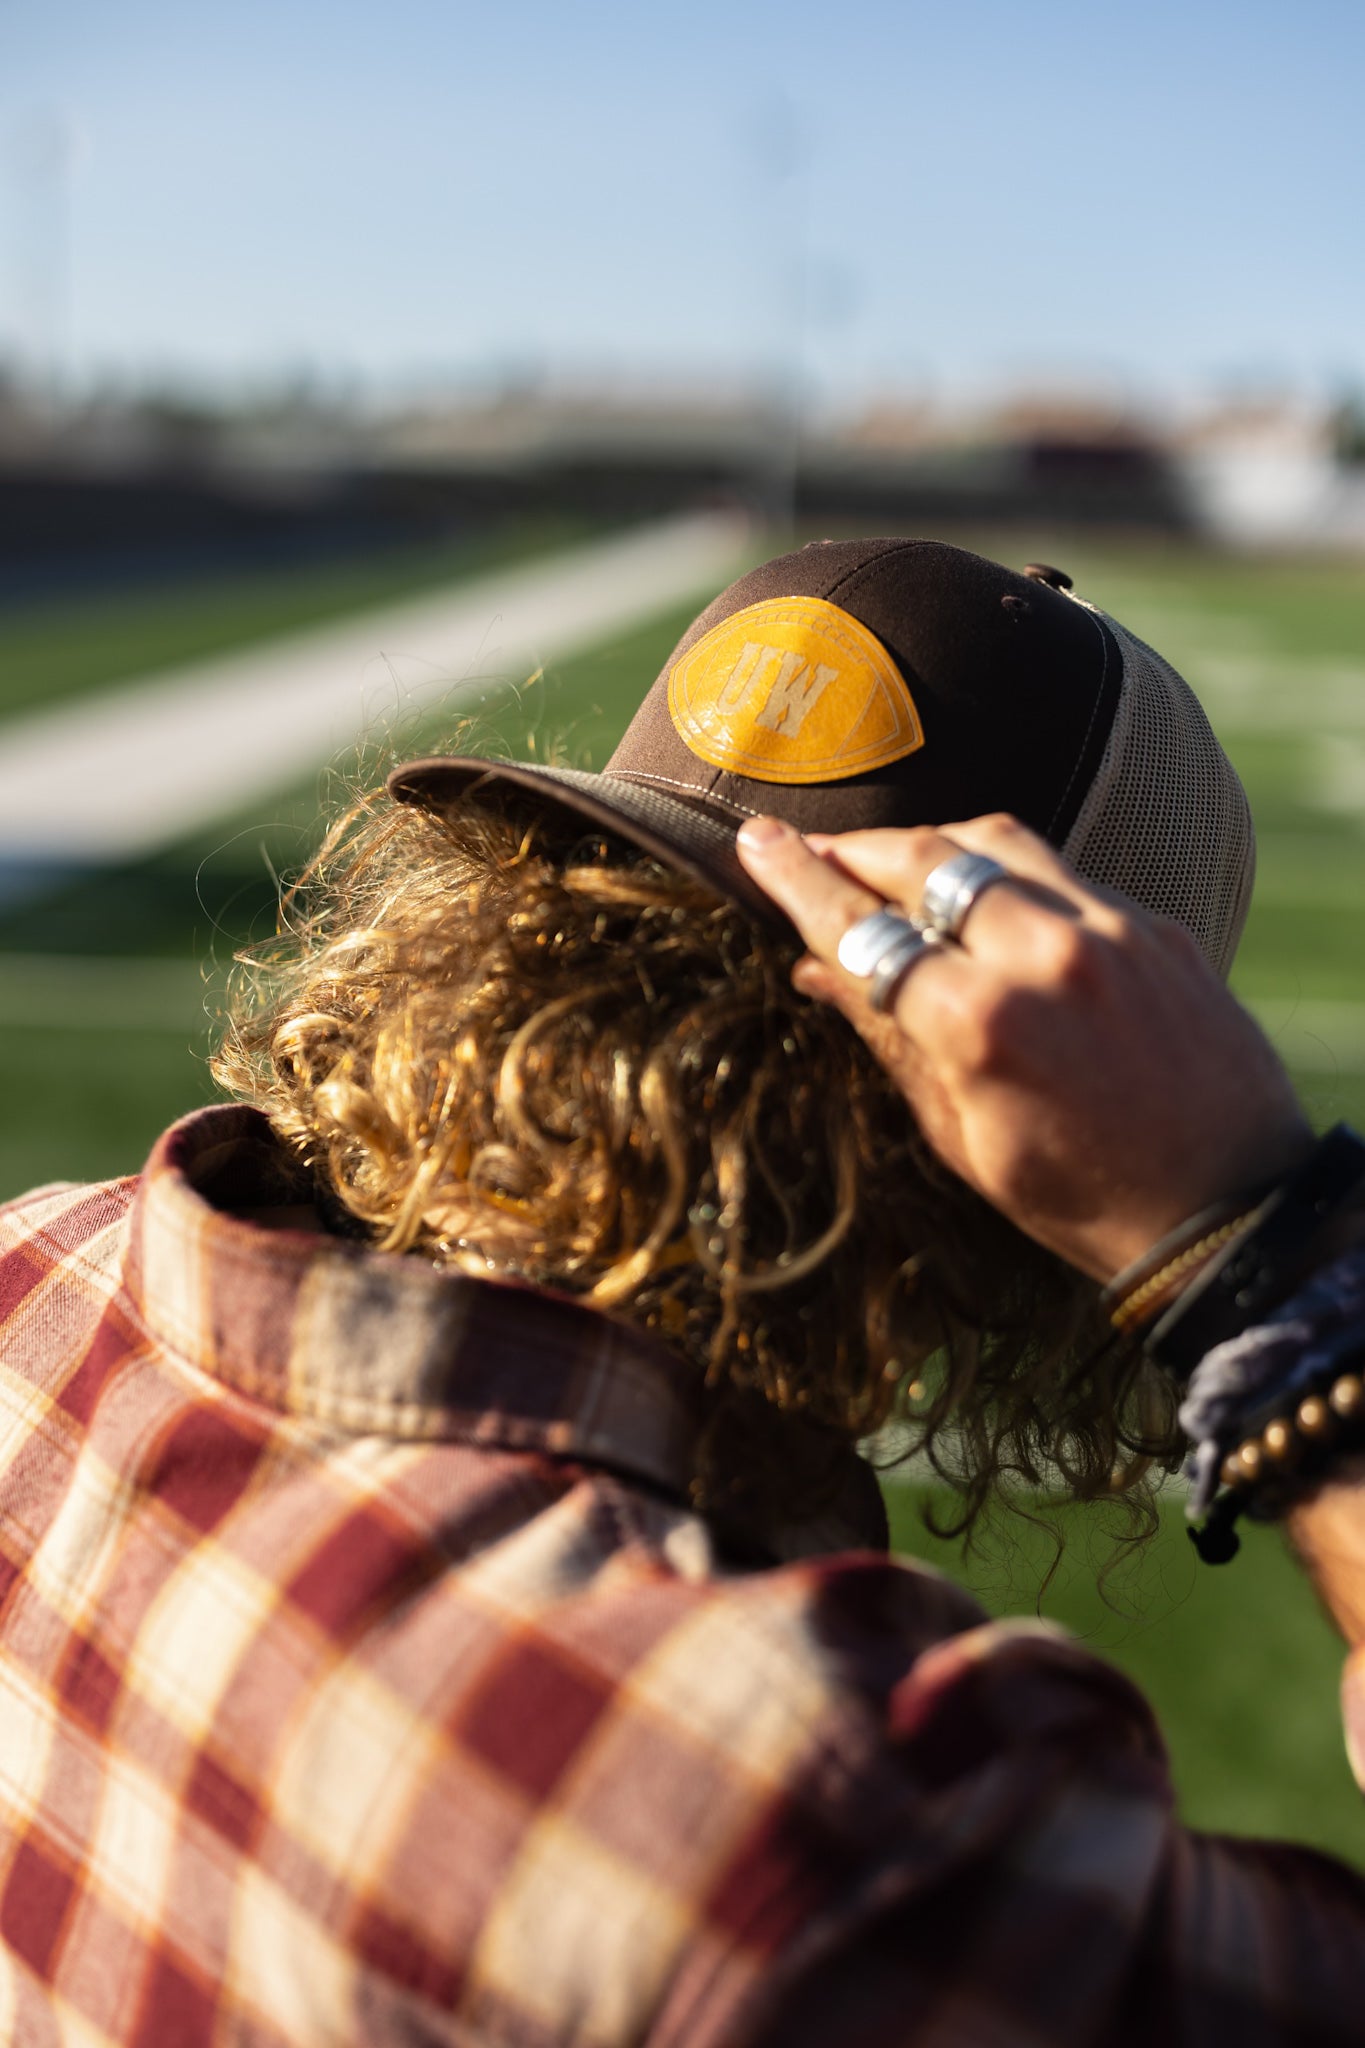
{"x":113,"y":776}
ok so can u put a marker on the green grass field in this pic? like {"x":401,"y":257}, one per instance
{"x":107,"y":991}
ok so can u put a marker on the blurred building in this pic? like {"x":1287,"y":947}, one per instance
{"x":1276,"y":472}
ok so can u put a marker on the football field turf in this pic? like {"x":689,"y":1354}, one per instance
{"x":108,"y":987}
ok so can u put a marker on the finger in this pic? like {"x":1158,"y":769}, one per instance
{"x":1009,"y":913}
{"x":898,"y":862}
{"x":1004,"y":839}
{"x":1023,"y":852}
{"x":823,"y":903}
{"x":827,"y":982}
{"x":1045,"y":876}
{"x":819,"y":898}
{"x":892,"y":860}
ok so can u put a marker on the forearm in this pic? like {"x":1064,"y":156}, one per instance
{"x":1328,"y":1533}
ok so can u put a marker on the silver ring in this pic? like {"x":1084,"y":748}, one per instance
{"x":952,"y":888}
{"x":879,"y":949}
{"x":865,"y":943}
{"x":895,"y":964}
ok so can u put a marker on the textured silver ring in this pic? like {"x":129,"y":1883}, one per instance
{"x":895,"y":964}
{"x":864,"y":943}
{"x":952,"y":888}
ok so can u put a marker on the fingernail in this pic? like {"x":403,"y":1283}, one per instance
{"x":761,"y":834}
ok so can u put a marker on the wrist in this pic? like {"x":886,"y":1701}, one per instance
{"x":1327,"y":1530}
{"x":1135,"y":1299}
{"x":1286,"y":1237}
{"x":1240,"y":1176}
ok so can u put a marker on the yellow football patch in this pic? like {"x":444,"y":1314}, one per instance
{"x":793,"y":690}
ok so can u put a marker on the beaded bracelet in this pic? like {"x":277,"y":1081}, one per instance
{"x":1270,"y":1410}
{"x":1266,"y":1471}
{"x":1276,"y":1449}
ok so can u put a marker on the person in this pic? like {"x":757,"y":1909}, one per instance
{"x":442,"y":1599}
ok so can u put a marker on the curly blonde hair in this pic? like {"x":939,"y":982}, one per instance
{"x":517,"y":1050}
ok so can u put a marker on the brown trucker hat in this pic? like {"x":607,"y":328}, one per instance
{"x":902,"y":682}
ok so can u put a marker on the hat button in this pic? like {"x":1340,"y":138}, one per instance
{"x":1043,"y":572}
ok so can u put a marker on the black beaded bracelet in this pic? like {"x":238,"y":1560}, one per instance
{"x":1252,"y":1274}
{"x":1270,"y":1470}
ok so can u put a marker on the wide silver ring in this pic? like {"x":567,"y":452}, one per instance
{"x":952,"y":888}
{"x":864,"y":943}
{"x":895,"y":963}
{"x":879,"y":949}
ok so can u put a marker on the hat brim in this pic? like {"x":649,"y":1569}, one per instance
{"x":680,"y":834}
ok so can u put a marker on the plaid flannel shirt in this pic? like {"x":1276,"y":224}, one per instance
{"x":365,"y":1677}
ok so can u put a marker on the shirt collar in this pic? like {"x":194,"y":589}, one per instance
{"x":326,"y":1328}
{"x":372,"y":1342}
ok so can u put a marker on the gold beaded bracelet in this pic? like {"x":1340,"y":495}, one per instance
{"x":1266,"y":1472}
{"x":1278,"y":1448}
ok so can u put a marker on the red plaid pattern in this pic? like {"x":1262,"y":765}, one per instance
{"x":364,"y":1677}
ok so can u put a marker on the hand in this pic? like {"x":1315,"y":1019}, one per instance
{"x":1073,"y":1058}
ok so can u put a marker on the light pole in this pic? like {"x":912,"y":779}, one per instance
{"x":782,"y":148}
{"x":44,"y":145}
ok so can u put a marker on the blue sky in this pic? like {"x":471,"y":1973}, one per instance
{"x":1160,"y":198}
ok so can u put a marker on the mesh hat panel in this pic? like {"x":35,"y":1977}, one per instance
{"x":1166,"y":820}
